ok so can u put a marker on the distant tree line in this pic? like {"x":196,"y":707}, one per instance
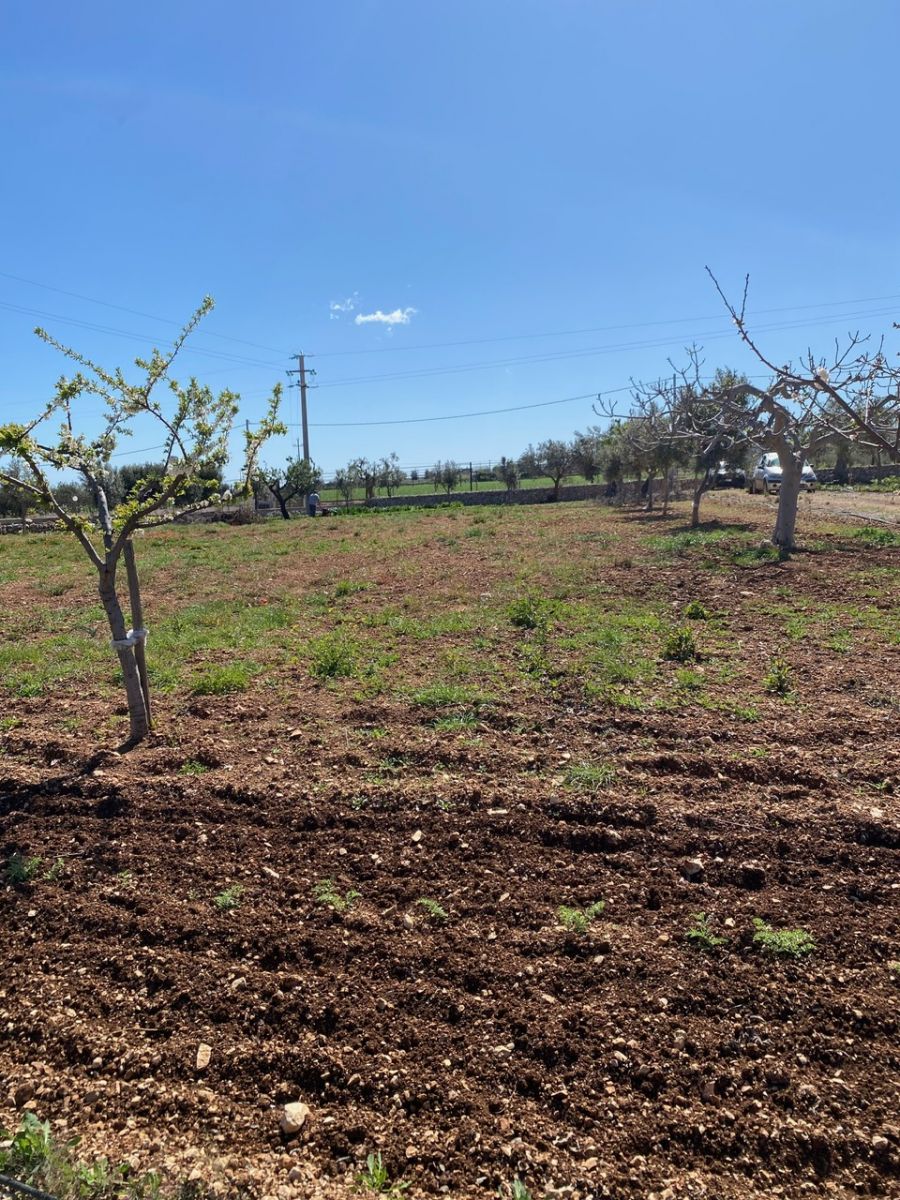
{"x":118,"y":484}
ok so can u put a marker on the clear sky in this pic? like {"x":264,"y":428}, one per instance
{"x":494,"y":174}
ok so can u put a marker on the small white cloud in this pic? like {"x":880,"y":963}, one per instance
{"x":400,"y":316}
{"x":336,"y":307}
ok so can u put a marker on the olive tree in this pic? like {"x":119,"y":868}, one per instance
{"x":555,"y":461}
{"x":195,"y":425}
{"x":390,"y":474}
{"x":446,"y":474}
{"x":298,"y":477}
{"x":507,"y":471}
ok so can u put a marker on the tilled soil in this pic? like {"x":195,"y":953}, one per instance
{"x":491,"y":1043}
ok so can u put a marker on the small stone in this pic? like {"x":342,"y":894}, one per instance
{"x":417,"y":836}
{"x":23,"y":1094}
{"x":409,"y":921}
{"x":294,"y":1117}
{"x":692,"y":869}
{"x":295,"y":1174}
{"x":295,"y":733}
{"x":879,"y":1143}
{"x":204,"y":1054}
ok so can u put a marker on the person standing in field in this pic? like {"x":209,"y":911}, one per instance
{"x":312,"y":504}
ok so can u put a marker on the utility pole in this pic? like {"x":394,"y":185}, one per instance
{"x":304,"y":423}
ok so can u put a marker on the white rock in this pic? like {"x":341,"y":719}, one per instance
{"x":294,"y":1117}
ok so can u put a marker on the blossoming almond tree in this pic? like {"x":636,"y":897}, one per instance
{"x":195,"y":424}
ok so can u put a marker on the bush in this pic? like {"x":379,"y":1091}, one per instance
{"x":680,"y":645}
{"x":528,"y":612}
{"x":778,"y":679}
{"x":332,"y":657}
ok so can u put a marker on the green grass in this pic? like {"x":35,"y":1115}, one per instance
{"x":590,"y":777}
{"x":222,"y":679}
{"x":876,"y":537}
{"x":448,"y":695}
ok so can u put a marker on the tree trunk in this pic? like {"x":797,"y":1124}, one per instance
{"x":650,"y":493}
{"x":699,"y":490}
{"x":137,"y":709}
{"x":788,"y":497}
{"x":282,"y":503}
{"x":666,"y":486}
{"x":137,"y":620}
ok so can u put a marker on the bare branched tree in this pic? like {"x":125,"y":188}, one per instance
{"x":195,"y":425}
{"x":852,"y":396}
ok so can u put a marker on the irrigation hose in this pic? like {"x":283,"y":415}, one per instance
{"x":24,"y":1189}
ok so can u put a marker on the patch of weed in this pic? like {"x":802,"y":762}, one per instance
{"x":695,"y":611}
{"x":229,"y":898}
{"x":791,"y":943}
{"x":20,"y":869}
{"x":688,"y":680}
{"x":579,"y":920}
{"x":758,"y":556}
{"x":332,"y":656}
{"x":876,"y":538}
{"x":325,"y":892}
{"x":778,"y":679}
{"x":445,"y":695}
{"x":222,"y":680}
{"x":700,"y":933}
{"x":590,"y":777}
{"x":348,"y":587}
{"x":435,"y":911}
{"x":528,"y":612}
{"x":680,"y":645}
{"x":192,"y":767}
{"x":376,"y":1178}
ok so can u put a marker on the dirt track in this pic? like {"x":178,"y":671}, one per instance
{"x":622,"y":1062}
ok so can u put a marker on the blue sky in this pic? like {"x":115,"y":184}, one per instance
{"x":487,"y":173}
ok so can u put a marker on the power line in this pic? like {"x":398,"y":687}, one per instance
{"x":222,"y":355}
{"x":136,"y":312}
{"x":518,"y":337}
{"x":593,"y":351}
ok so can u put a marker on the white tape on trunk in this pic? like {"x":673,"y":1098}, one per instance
{"x":131,"y":639}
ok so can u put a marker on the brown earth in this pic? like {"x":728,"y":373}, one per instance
{"x":622,"y":1062}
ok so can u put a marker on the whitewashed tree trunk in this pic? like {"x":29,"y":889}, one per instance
{"x":788,"y":497}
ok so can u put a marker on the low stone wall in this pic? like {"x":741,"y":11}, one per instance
{"x":541,"y":495}
{"x":857,"y":474}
